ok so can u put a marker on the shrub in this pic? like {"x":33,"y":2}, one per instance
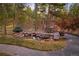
{"x":49,"y":30}
{"x":17,"y":29}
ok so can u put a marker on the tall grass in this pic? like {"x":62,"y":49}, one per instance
{"x":35,"y":44}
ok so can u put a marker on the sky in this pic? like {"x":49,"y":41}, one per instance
{"x":68,"y":6}
{"x":32,"y":5}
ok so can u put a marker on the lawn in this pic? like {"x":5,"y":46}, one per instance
{"x":35,"y":44}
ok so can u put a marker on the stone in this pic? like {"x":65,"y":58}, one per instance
{"x":56,"y":35}
{"x":34,"y":38}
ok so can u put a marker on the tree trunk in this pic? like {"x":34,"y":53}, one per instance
{"x":5,"y":29}
{"x":14,"y":15}
{"x":35,"y":21}
{"x":5,"y":18}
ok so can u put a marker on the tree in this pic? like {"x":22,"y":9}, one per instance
{"x":9,"y":11}
{"x":5,"y":16}
{"x":74,"y":13}
{"x":49,"y":12}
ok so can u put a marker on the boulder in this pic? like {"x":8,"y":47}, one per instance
{"x":56,"y":35}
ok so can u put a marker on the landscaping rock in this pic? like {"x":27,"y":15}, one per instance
{"x":56,"y":35}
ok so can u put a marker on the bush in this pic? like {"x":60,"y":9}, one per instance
{"x":49,"y":30}
{"x":17,"y":29}
{"x":61,"y":33}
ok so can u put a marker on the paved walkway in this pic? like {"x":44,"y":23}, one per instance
{"x":71,"y":49}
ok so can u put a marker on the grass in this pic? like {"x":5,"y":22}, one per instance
{"x":4,"y":54}
{"x":35,"y":44}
